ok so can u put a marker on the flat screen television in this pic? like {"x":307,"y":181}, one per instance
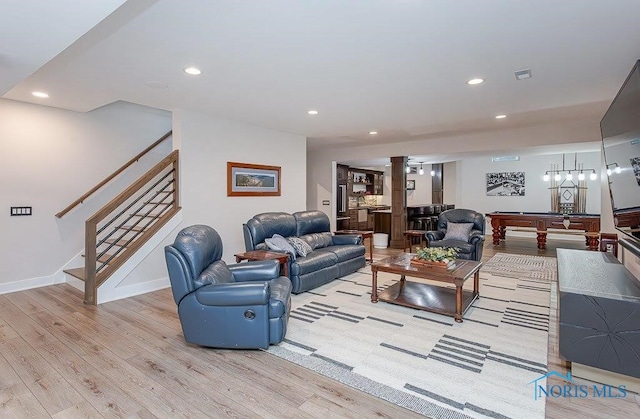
{"x":620,"y":129}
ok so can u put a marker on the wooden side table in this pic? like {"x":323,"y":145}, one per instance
{"x":409,"y":235}
{"x":364,"y":234}
{"x":282,"y":258}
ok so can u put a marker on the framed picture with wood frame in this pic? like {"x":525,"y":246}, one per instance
{"x":245,"y":179}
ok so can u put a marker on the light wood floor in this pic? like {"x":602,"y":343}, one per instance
{"x":62,"y":359}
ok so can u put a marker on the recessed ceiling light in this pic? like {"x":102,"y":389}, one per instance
{"x":475,"y":81}
{"x":40,"y":94}
{"x":312,"y":112}
{"x":193,"y":71}
{"x":373,"y":132}
{"x":501,"y":116}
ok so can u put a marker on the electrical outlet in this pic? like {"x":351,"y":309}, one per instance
{"x":325,"y":202}
{"x":20,"y":211}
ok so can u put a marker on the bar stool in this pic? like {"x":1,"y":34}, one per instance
{"x":423,"y":218}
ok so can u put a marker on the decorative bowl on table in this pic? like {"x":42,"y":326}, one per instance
{"x":441,"y":257}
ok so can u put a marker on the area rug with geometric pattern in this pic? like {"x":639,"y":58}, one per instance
{"x":426,"y":362}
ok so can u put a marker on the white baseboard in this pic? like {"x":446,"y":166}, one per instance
{"x":25,"y":284}
{"x":112,"y":294}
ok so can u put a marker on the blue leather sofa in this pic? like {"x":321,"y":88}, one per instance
{"x":226,"y":306}
{"x":332,"y":256}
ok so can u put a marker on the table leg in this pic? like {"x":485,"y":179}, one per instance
{"x":458,"y":315}
{"x":370,"y":248}
{"x":374,"y":286}
{"x":592,"y":242}
{"x":238,"y":259}
{"x":402,"y":278}
{"x":542,"y":239}
{"x":496,"y":235}
{"x":503,"y":232}
{"x":284,"y":267}
{"x":476,"y":283}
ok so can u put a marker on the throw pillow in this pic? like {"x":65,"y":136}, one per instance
{"x":458,"y":231}
{"x":280,"y":244}
{"x":301,"y":246}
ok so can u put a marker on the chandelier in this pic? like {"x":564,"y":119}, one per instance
{"x":568,"y":173}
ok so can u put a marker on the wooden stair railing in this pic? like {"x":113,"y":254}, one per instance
{"x":113,"y":175}
{"x":120,"y":228}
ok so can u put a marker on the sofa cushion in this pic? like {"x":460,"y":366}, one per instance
{"x":302,"y":247}
{"x":265,"y":225}
{"x":318,"y":240}
{"x":314,"y":261}
{"x":311,"y":222}
{"x":458,"y":231}
{"x":346,"y":252}
{"x":279,"y":243}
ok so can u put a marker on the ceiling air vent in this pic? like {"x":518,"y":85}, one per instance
{"x":523,"y":74}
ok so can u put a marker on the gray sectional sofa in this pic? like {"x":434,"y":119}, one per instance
{"x":332,"y":256}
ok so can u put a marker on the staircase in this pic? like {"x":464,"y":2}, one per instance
{"x":120,"y":229}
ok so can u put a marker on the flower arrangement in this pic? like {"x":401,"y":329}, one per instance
{"x":437,"y":254}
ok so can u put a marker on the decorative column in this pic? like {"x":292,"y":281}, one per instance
{"x":398,"y":201}
{"x":437,"y":184}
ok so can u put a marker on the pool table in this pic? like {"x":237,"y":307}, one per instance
{"x":541,"y":221}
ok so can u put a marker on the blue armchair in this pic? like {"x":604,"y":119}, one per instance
{"x":226,"y":306}
{"x":461,"y":228}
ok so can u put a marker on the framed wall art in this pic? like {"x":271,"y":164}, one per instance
{"x":411,"y":185}
{"x":505,"y":184}
{"x":245,"y":179}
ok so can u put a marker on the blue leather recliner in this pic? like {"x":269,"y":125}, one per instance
{"x":226,"y":306}
{"x":468,"y":248}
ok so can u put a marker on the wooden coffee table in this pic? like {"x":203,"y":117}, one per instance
{"x":283,"y":258}
{"x":442,"y":300}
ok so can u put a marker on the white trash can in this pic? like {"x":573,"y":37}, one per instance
{"x":380,"y":240}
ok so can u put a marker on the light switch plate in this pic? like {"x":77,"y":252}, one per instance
{"x":20,"y":211}
{"x":325,"y":202}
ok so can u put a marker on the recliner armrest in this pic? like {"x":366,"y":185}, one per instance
{"x":234,"y":294}
{"x":435,"y":235}
{"x":258,"y":270}
{"x":347,"y":239}
{"x":476,"y":236}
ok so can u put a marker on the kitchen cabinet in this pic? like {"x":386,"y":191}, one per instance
{"x":353,"y":219}
{"x":365,"y":182}
{"x":378,"y":183}
{"x":371,"y":219}
{"x":383,"y":222}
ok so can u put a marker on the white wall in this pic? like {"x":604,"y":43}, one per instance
{"x":502,"y":142}
{"x":472,"y":191}
{"x":422,"y":193}
{"x":450,"y":182}
{"x":49,"y":158}
{"x":206,"y":144}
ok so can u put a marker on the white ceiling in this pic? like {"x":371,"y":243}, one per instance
{"x":397,"y":67}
